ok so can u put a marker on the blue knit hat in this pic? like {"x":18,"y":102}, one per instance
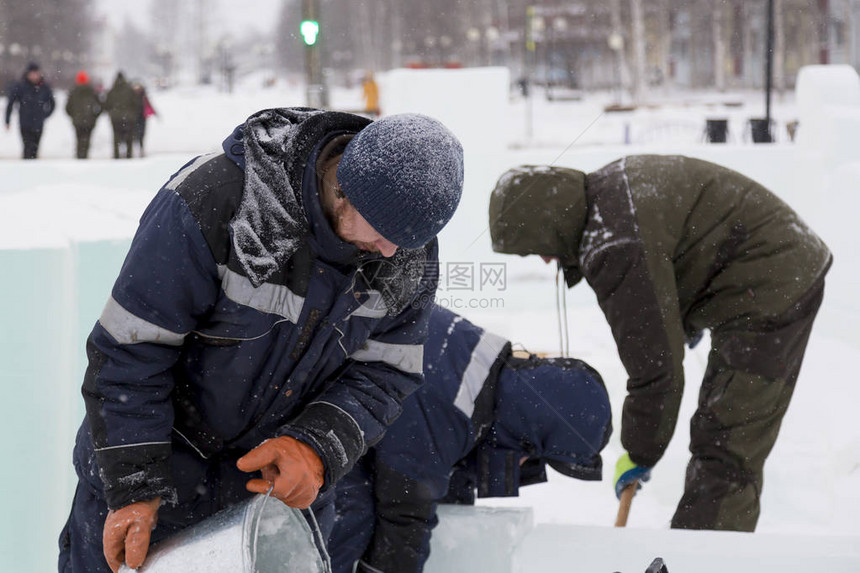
{"x":404,"y":175}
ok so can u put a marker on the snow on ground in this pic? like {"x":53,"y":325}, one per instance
{"x":812,"y":485}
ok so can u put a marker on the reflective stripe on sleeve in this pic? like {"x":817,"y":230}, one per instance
{"x":406,"y":357}
{"x":188,"y":170}
{"x":128,"y":328}
{"x":484,"y":355}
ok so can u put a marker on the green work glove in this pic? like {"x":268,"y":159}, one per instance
{"x":626,"y":472}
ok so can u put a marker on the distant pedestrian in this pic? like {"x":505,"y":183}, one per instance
{"x":123,"y":106}
{"x":84,"y":106}
{"x":35,"y":103}
{"x":146,"y":111}
{"x":370,"y":93}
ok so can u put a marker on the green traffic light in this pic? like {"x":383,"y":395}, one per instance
{"x":310,"y":30}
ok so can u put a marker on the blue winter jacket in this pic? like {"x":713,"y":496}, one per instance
{"x":35,"y":101}
{"x":480,"y":412}
{"x":197,"y":357}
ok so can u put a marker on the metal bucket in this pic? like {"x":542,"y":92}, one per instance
{"x":261,"y":535}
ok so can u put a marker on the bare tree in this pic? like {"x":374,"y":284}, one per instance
{"x":823,"y":18}
{"x":132,"y":50}
{"x":664,"y":35}
{"x":778,"y":47}
{"x":618,"y":38}
{"x":638,"y":49}
{"x":55,"y":34}
{"x":166,"y":16}
{"x":288,"y":44}
{"x":719,"y":47}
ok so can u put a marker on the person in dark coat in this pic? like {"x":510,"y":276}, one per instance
{"x":84,"y":107}
{"x":146,"y":111}
{"x":35,"y":102}
{"x":266,"y":325}
{"x":484,"y":422}
{"x":672,"y":246}
{"x":124,"y":107}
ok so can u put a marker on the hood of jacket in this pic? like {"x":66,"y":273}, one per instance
{"x":540,"y":210}
{"x":120,"y":80}
{"x":273,"y":147}
{"x":551,"y":411}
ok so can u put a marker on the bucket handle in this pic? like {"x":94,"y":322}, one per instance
{"x":320,"y":542}
{"x":316,"y":531}
{"x":257,"y":526}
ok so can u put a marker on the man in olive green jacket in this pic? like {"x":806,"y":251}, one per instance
{"x":84,"y":107}
{"x":673,"y":246}
{"x":124,"y":107}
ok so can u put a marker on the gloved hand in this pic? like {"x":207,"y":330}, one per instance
{"x":626,"y":472}
{"x":127,"y":531}
{"x":291,"y":466}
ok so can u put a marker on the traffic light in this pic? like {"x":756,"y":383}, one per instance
{"x":310,"y":29}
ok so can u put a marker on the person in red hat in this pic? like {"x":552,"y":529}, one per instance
{"x":84,"y":106}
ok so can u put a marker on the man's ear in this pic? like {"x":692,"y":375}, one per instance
{"x":338,"y":192}
{"x":330,"y":177}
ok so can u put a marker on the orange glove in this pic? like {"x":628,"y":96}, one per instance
{"x":127,"y":531}
{"x":291,"y":466}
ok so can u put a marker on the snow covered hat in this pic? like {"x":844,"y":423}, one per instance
{"x":404,"y":175}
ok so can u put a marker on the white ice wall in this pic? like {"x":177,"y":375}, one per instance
{"x":828,"y":101}
{"x":470,"y":539}
{"x":828,"y":105}
{"x":553,"y":548}
{"x":478,"y":538}
{"x":63,"y":238}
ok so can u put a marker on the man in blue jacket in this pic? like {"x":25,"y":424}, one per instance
{"x":35,"y":103}
{"x":483,"y":421}
{"x":266,"y":325}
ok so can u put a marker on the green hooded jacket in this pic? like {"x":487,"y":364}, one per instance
{"x":83,"y":106}
{"x":671,"y":246}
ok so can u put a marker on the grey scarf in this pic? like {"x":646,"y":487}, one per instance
{"x":270,"y":222}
